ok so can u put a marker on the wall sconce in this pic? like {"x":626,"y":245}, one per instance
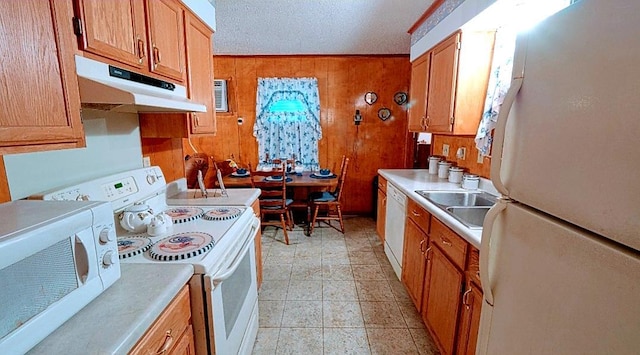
{"x":357,"y":118}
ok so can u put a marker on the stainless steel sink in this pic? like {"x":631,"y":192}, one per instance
{"x":468,"y":207}
{"x":459,"y":198}
{"x":472,"y":217}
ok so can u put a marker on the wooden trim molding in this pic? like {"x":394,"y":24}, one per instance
{"x":434,"y":6}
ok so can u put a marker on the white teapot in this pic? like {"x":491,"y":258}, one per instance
{"x":136,"y":218}
{"x":159,"y":225}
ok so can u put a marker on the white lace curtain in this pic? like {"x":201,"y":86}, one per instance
{"x":289,"y":133}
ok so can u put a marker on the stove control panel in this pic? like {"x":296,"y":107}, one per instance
{"x":120,"y":188}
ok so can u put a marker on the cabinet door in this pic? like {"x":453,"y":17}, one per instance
{"x":413,"y":261}
{"x":444,"y":283}
{"x":165,"y":20}
{"x":40,"y":107}
{"x":382,"y":214}
{"x":200,"y":79}
{"x":418,"y":93}
{"x":442,"y":85}
{"x":469,"y":320}
{"x":115,"y":29}
{"x":186,"y":344}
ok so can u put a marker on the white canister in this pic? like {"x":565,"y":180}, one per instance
{"x":470,"y":182}
{"x":455,"y":174}
{"x":443,"y":169}
{"x":433,"y":164}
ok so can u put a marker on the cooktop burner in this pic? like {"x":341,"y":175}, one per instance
{"x":132,"y":245}
{"x":222,"y":213}
{"x":184,"y":214}
{"x":181,"y":246}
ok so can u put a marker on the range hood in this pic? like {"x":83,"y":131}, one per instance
{"x":109,"y":88}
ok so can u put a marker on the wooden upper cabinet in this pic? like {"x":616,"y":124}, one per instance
{"x":200,"y":80}
{"x":458,"y":76}
{"x":147,"y":36}
{"x":115,"y":29}
{"x":199,"y":54}
{"x":418,"y":93}
{"x":166,"y":38}
{"x":40,"y":107}
{"x":442,"y":85}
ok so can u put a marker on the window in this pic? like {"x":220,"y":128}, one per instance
{"x":288,"y":120}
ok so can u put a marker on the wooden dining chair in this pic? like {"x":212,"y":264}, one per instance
{"x":273,"y":199}
{"x":330,"y":201}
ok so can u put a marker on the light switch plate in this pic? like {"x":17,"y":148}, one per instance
{"x":445,"y":150}
{"x":480,"y":158}
{"x":146,"y":162}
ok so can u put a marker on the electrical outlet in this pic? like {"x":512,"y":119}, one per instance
{"x":146,"y":162}
{"x":445,"y":150}
{"x":461,"y":153}
{"x":480,"y":158}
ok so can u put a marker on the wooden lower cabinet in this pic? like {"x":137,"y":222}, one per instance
{"x":469,"y":319}
{"x":258,"y":242}
{"x":172,"y":332}
{"x":413,"y":261}
{"x":442,"y":298}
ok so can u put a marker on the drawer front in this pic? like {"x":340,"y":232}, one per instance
{"x":418,"y":215}
{"x":167,"y":329}
{"x":473,"y":265}
{"x":382,"y":184}
{"x":451,"y":244}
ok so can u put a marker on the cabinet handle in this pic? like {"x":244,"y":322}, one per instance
{"x":416,"y":214}
{"x":195,"y":115}
{"x":428,"y":122}
{"x":445,"y":241}
{"x":421,"y":245}
{"x":156,"y":56}
{"x":141,"y":50}
{"x":465,"y":298}
{"x":426,"y":253}
{"x":168,"y":341}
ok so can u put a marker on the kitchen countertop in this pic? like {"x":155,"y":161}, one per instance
{"x":114,"y":321}
{"x":176,"y":195}
{"x":409,"y":180}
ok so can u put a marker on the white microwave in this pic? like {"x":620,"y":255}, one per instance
{"x":55,"y":258}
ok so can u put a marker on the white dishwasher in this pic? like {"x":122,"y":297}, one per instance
{"x":394,"y":227}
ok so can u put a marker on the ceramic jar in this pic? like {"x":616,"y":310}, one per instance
{"x":443,"y":169}
{"x":455,"y":174}
{"x":470,"y":182}
{"x":433,"y":164}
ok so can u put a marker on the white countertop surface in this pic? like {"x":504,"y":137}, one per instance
{"x":409,"y":180}
{"x":114,"y":322}
{"x":177,"y":196}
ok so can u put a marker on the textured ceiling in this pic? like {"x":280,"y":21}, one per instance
{"x":264,"y":27}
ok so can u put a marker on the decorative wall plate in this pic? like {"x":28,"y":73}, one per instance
{"x":370,"y":97}
{"x":400,"y":98}
{"x":384,"y":113}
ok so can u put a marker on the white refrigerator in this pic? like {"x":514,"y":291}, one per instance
{"x":560,"y":254}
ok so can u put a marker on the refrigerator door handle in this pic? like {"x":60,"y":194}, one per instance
{"x":485,"y":248}
{"x":498,"y":137}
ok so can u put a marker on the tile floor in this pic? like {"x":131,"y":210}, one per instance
{"x":335,"y":294}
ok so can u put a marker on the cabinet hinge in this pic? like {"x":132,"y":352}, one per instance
{"x":77,"y":26}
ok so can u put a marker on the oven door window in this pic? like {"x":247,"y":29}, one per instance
{"x":234,"y":292}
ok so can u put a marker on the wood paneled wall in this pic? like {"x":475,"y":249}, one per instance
{"x":471,"y":160}
{"x":343,"y":82}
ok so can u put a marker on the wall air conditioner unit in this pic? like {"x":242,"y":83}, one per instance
{"x":220,"y":92}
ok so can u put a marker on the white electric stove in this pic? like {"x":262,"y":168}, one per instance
{"x":217,"y":240}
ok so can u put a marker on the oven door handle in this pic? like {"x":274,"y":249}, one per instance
{"x":236,"y":262}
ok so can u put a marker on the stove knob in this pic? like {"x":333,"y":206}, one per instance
{"x":105,"y":236}
{"x":151,"y":179}
{"x":108,"y":259}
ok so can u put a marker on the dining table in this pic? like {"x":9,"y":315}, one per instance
{"x":301,"y":186}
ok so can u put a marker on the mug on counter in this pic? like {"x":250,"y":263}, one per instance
{"x":443,"y":169}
